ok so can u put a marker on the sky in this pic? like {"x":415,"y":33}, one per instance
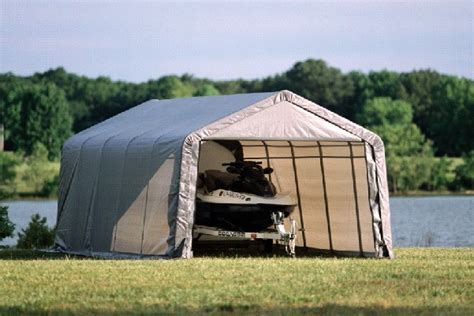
{"x":141,"y":40}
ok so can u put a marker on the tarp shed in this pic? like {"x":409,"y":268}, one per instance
{"x":128,"y":184}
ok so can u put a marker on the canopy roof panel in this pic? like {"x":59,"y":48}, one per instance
{"x":165,"y":119}
{"x":286,"y":121}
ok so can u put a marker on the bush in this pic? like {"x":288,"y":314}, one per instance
{"x":50,"y":187}
{"x":6,"y":226}
{"x":407,"y":173}
{"x":441,"y":174}
{"x":37,"y":235}
{"x":409,"y":154}
{"x":37,"y":172}
{"x":8,"y":163}
{"x":465,"y":173}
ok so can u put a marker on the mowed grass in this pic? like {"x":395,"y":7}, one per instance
{"x":422,"y":281}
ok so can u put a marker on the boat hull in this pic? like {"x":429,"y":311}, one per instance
{"x":240,"y":217}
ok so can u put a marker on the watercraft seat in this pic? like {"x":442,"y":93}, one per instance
{"x":216,"y":179}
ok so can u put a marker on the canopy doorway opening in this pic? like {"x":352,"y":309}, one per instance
{"x":327,"y":180}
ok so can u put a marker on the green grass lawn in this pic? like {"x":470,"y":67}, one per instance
{"x":422,"y":281}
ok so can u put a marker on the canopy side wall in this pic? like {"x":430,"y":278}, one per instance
{"x":120,"y":178}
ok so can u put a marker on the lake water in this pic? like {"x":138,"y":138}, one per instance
{"x":435,"y":221}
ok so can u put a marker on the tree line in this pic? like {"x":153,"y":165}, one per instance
{"x":424,"y":117}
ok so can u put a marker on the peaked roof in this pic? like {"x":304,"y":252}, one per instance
{"x":173,"y":118}
{"x":284,"y":121}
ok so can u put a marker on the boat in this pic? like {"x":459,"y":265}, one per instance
{"x":240,"y":199}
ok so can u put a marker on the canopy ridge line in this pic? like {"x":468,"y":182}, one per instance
{"x":301,"y":146}
{"x":303,"y":157}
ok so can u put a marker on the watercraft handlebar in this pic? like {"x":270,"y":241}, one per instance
{"x":242,"y":163}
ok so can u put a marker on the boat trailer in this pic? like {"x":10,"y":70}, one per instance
{"x":279,"y":233}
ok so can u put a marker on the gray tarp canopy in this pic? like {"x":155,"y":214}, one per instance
{"x":128,"y":184}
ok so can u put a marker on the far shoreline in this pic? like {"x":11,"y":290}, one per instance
{"x":432,"y":193}
{"x":468,"y":193}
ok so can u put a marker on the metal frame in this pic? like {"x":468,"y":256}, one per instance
{"x":217,"y":232}
{"x":326,"y":203}
{"x":279,"y":234}
{"x":298,"y":196}
{"x":318,"y":145}
{"x":356,"y":198}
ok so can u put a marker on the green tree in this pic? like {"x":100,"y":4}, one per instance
{"x":8,"y":163}
{"x":392,"y":120}
{"x":376,"y":84}
{"x":6,"y":226}
{"x":407,"y":150}
{"x":452,"y":116}
{"x":169,"y":87}
{"x":36,"y":113}
{"x":360,"y":94}
{"x":37,"y":235}
{"x":37,"y":172}
{"x":465,"y":172}
{"x":443,"y":106}
{"x":443,"y":109}
{"x":316,"y":81}
{"x":50,"y":187}
{"x":206,"y":89}
{"x":94,"y":101}
{"x":230,"y":86}
{"x":385,"y":83}
{"x":440,"y":178}
{"x":420,"y":86}
{"x":408,"y":173}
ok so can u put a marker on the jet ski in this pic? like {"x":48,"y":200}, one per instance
{"x":241,"y":198}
